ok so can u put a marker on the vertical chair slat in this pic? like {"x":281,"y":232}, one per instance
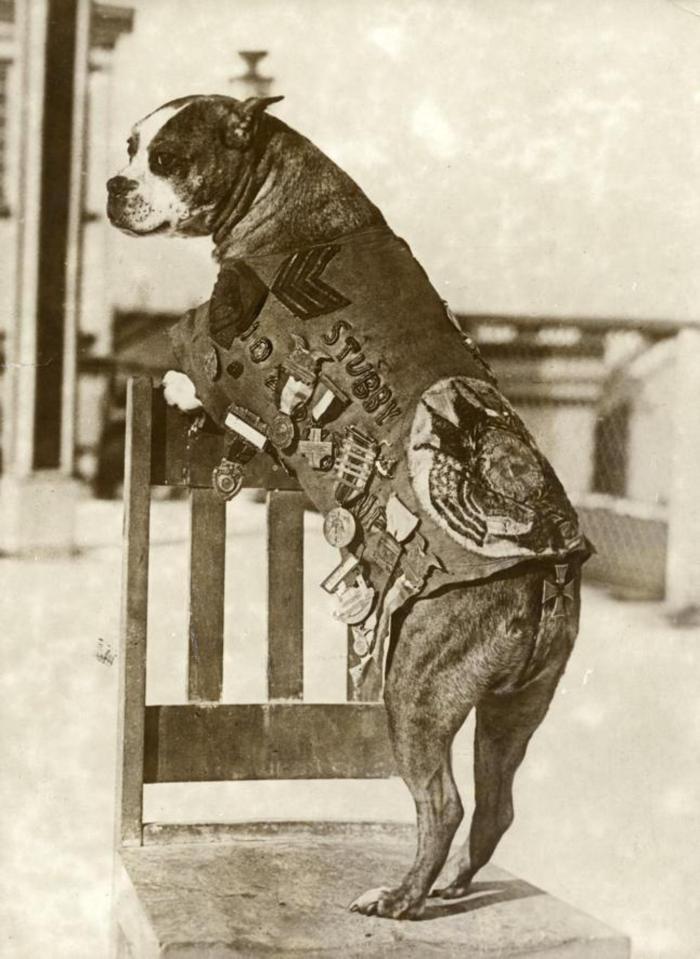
{"x":206,"y":611}
{"x":285,"y":564}
{"x":134,"y":612}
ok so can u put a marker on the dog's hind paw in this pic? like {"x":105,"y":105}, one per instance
{"x":454,"y":890}
{"x":367,"y":902}
{"x":388,"y":904}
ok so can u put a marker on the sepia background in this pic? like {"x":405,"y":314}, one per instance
{"x":541,"y":159}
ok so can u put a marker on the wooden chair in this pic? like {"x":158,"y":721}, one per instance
{"x":243,"y":889}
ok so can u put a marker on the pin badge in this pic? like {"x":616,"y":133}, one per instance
{"x":317,"y":450}
{"x":234,"y":369}
{"x":334,"y":580}
{"x":261,"y":350}
{"x":227,"y":479}
{"x":339,"y":527}
{"x":212,"y":366}
{"x":281,"y":432}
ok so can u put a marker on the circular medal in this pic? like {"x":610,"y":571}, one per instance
{"x":261,"y":350}
{"x":211,"y":363}
{"x":360,"y":645}
{"x":234,"y":369}
{"x":339,"y":527}
{"x":227,"y":479}
{"x":281,"y":432}
{"x":355,"y":603}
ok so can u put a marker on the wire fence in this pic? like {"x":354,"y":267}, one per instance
{"x":595,"y":395}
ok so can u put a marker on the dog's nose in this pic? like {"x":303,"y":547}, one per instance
{"x":119,"y":185}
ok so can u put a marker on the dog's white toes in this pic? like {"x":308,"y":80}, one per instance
{"x":367,"y":902}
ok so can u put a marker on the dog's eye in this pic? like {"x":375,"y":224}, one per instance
{"x":163,"y":162}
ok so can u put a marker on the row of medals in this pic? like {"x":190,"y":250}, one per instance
{"x":301,"y":388}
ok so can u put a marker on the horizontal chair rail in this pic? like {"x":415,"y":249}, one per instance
{"x":185,"y":453}
{"x":222,"y":742}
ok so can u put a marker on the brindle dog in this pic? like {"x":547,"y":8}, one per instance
{"x":211,"y":165}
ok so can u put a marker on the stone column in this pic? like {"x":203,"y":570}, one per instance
{"x":37,"y":495}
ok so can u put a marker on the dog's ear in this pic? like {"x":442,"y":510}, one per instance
{"x":242,"y":122}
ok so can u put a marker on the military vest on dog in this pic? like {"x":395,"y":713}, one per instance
{"x":343,"y":363}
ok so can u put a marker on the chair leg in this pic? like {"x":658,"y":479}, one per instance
{"x":122,"y":949}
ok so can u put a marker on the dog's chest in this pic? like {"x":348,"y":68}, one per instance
{"x":340,"y":360}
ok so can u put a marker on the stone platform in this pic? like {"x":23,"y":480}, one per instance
{"x":285,"y":890}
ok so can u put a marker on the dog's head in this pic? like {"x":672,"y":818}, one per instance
{"x":185,"y":159}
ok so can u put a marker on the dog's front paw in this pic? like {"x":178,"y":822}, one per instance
{"x":179,"y":391}
{"x":388,"y":903}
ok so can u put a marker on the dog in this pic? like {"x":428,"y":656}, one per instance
{"x":461,"y":555}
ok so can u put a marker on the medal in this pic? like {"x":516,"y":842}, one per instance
{"x":354,"y":464}
{"x":281,"y":432}
{"x":316,"y":450}
{"x":387,"y":552}
{"x":227,"y":479}
{"x":386,"y":466}
{"x":329,"y":400}
{"x":260,"y":350}
{"x":417,"y":562}
{"x":301,"y":369}
{"x":558,"y":591}
{"x":339,"y":527}
{"x":360,"y":646}
{"x":354,"y":602}
{"x":212,"y":367}
{"x":369,"y":512}
{"x":334,"y":580}
{"x":234,"y":369}
{"x":247,"y":425}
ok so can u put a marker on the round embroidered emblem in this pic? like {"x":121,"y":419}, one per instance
{"x":234,"y":369}
{"x":509,"y":467}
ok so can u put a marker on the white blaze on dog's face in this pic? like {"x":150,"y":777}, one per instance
{"x":143,"y":197}
{"x":185,"y":159}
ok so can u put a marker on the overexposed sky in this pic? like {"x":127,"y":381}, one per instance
{"x":540,"y":157}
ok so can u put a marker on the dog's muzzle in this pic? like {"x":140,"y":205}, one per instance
{"x":119,"y":189}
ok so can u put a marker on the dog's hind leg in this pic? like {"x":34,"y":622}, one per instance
{"x":423,"y":720}
{"x":505,"y":723}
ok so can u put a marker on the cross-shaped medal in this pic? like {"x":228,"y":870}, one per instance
{"x":559,"y":591}
{"x":317,"y":451}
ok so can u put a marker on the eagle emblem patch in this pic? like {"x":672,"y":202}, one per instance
{"x":477,"y":472}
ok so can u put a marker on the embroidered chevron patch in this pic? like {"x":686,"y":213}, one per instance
{"x":299,"y":286}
